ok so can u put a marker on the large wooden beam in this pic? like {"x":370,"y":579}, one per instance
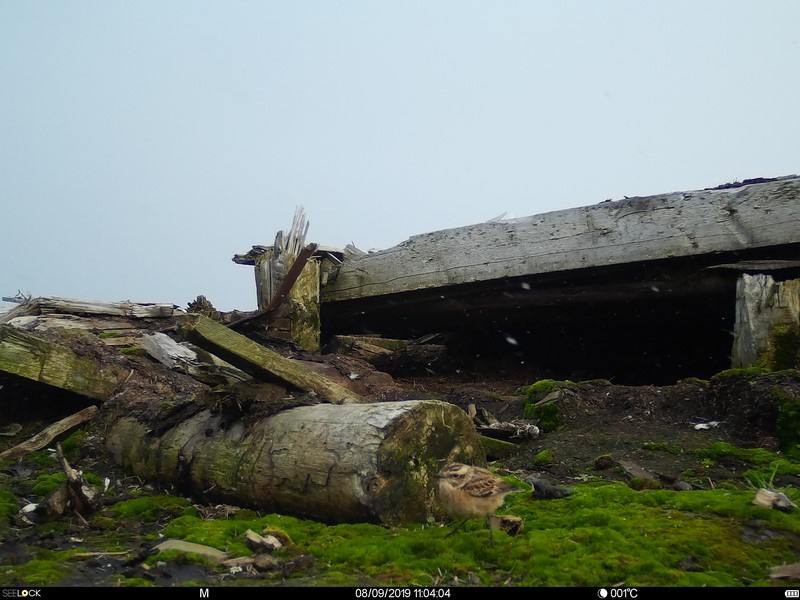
{"x":259,"y":361}
{"x":42,"y":359}
{"x":125,"y":308}
{"x":633,"y":230}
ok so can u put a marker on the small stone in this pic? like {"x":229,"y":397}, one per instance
{"x":263,"y":543}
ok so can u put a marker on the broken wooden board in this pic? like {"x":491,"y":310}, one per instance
{"x":178,"y":357}
{"x":633,"y":230}
{"x":139,"y":310}
{"x":47,"y":435}
{"x":259,"y":361}
{"x":47,"y":361}
{"x":336,"y":463}
{"x":362,"y":348}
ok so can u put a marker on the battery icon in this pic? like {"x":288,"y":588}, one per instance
{"x":792,"y":593}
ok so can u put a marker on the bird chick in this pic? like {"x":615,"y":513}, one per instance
{"x":469,"y":492}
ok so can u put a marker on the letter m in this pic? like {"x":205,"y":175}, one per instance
{"x":204,"y":593}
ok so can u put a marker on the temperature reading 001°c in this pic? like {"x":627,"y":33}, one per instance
{"x":617,"y":593}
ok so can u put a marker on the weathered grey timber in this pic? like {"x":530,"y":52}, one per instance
{"x":124,"y":308}
{"x":675,"y":225}
{"x":765,"y":308}
{"x":345,"y":463}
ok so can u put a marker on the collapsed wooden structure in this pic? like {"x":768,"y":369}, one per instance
{"x":238,"y":421}
{"x":640,"y":290}
{"x":225,"y":418}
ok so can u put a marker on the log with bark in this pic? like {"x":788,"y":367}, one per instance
{"x":336,"y":463}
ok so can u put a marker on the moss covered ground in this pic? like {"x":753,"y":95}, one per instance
{"x":604,"y":533}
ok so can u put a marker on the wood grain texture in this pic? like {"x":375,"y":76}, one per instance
{"x":259,"y":361}
{"x":347,"y":463}
{"x":44,"y":360}
{"x":610,"y":233}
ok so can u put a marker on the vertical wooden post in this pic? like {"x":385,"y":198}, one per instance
{"x":263,"y":272}
{"x":288,"y":300}
{"x":767,"y":328}
{"x":303,"y":305}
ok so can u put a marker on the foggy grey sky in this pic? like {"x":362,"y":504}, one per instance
{"x":143,"y":144}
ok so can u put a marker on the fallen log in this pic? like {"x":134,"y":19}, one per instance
{"x":349,"y":463}
{"x":42,"y":359}
{"x":258,"y":361}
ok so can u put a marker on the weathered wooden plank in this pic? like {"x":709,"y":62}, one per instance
{"x":767,"y":318}
{"x":82,"y":307}
{"x":627,"y":231}
{"x":285,"y":287}
{"x":47,"y":435}
{"x":29,"y":355}
{"x":303,"y":306}
{"x":60,"y":321}
{"x":180,"y":358}
{"x":255,"y":359}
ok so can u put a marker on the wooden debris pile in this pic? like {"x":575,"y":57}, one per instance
{"x":239,"y":408}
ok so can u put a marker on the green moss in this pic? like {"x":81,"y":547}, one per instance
{"x":133,"y":351}
{"x":9,"y":506}
{"x":643,"y":483}
{"x":246,"y":515}
{"x":545,"y":457}
{"x":537,"y":391}
{"x":548,"y":416}
{"x":226,"y":535}
{"x":152,"y":508}
{"x":783,"y":349}
{"x":43,"y":458}
{"x":764,"y":466}
{"x":103,"y":335}
{"x":719,"y":450}
{"x":788,"y":422}
{"x":602,"y":534}
{"x":74,"y":446}
{"x":662,"y":447}
{"x":44,"y":484}
{"x":744,"y":373}
{"x":39,"y":571}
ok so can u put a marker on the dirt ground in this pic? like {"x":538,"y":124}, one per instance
{"x":657,"y":428}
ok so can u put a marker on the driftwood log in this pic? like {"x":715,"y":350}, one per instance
{"x":336,"y":463}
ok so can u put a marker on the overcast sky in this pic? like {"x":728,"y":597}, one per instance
{"x":143,"y":144}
